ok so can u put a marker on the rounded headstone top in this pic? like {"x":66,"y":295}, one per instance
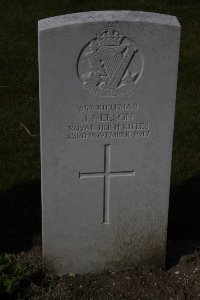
{"x":107,"y":16}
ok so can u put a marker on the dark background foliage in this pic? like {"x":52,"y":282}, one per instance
{"x":20,"y":207}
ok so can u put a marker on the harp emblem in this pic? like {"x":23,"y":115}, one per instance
{"x":104,"y":65}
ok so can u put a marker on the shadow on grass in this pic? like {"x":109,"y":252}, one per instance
{"x":184,"y":219}
{"x":20,"y":217}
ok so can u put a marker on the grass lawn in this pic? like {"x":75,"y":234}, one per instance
{"x":19,"y":109}
{"x":19,"y":106}
{"x":20,"y":211}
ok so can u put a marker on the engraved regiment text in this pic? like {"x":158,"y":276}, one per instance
{"x":108,"y":121}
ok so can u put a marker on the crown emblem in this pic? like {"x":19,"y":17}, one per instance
{"x":109,"y":36}
{"x":105,"y":64}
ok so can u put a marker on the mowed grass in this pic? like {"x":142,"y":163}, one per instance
{"x":19,"y":106}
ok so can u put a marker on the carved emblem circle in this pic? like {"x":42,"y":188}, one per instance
{"x":110,"y":64}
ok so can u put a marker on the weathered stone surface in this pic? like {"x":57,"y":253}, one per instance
{"x":107,"y":95}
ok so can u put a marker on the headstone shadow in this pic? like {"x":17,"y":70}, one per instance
{"x":184,"y":219}
{"x":20,"y":217}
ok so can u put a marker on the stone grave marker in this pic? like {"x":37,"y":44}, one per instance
{"x":107,"y":98}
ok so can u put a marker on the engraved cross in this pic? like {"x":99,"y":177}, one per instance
{"x":106,"y":175}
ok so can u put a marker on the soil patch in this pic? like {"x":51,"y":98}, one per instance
{"x":181,"y":279}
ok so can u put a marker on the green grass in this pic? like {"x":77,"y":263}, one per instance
{"x":13,"y":274}
{"x":19,"y":82}
{"x":19,"y":103}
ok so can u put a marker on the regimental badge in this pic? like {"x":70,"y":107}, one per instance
{"x":110,"y":64}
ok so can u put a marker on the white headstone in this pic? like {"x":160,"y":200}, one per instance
{"x":107,"y":95}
